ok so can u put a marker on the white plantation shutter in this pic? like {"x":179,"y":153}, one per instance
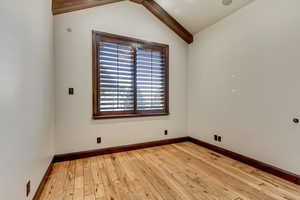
{"x":116,"y":77}
{"x":150,"y":78}
{"x":130,"y":77}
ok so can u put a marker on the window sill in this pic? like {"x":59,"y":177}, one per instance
{"x":98,"y":117}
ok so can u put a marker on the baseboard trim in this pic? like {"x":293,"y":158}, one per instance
{"x":43,"y":182}
{"x":97,"y":152}
{"x":289,"y":176}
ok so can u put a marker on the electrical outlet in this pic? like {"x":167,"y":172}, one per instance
{"x":219,"y":139}
{"x":216,"y":137}
{"x":27,"y":188}
{"x":71,"y":91}
{"x":98,"y":140}
{"x":166,"y":132}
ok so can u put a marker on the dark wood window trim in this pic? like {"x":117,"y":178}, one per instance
{"x":136,"y":43}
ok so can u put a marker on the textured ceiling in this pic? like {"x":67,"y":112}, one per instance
{"x":196,"y":15}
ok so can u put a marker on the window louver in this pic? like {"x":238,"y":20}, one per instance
{"x":116,"y":75}
{"x":150,"y":80}
{"x":130,"y":77}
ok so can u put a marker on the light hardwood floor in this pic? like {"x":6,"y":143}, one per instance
{"x":172,"y":172}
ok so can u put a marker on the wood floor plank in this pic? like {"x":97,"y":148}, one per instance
{"x":277,"y":182}
{"x":58,"y":188}
{"x":109,"y":179}
{"x":209,"y":187}
{"x":117,"y":177}
{"x":173,"y":174}
{"x":142,"y":188}
{"x":79,"y":185}
{"x":219,"y":162}
{"x":89,"y":187}
{"x":182,"y":171}
{"x":97,"y":179}
{"x":273,"y":180}
{"x":199,"y":184}
{"x":69,"y":185}
{"x":162,"y":185}
{"x":172,"y":182}
{"x":50,"y":185}
{"x":233,"y":183}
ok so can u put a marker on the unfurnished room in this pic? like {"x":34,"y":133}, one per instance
{"x":150,"y":100}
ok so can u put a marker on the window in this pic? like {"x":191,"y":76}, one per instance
{"x":130,"y":77}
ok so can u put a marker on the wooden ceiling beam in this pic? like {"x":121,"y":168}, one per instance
{"x":64,"y":6}
{"x":167,"y":19}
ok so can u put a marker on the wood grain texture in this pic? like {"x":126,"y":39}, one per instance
{"x":65,"y":6}
{"x":250,"y":161}
{"x":181,"y":171}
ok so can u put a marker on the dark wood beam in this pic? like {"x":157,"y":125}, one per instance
{"x":64,"y":6}
{"x":137,"y":1}
{"x":166,"y":18}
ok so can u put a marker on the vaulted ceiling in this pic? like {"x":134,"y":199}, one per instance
{"x":184,"y":17}
{"x":195,"y":15}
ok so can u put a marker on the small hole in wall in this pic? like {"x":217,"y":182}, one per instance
{"x":69,"y":30}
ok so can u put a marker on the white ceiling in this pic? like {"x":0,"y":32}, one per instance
{"x":195,"y":15}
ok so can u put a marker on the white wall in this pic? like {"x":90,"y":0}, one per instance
{"x":244,"y":83}
{"x":75,"y":130}
{"x":26,"y":95}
